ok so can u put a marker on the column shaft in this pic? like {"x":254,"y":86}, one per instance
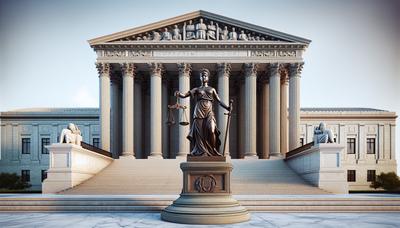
{"x":138,"y":120}
{"x":250,"y":110}
{"x":294,"y":105}
{"x":104,"y":77}
{"x":127,"y":109}
{"x":115,"y":128}
{"x":274,"y":111}
{"x":183,"y":131}
{"x":223,"y":92}
{"x":284,"y":111}
{"x":165,"y":130}
{"x":155,"y":111}
{"x":265,"y":119}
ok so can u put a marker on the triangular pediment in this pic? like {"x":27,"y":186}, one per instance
{"x":199,"y":26}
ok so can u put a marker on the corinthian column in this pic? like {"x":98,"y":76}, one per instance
{"x":294,"y":104}
{"x":223,"y":92}
{"x":250,"y":115}
{"x":105,"y":100}
{"x":284,"y":109}
{"x":128,"y":71}
{"x":265,"y":117}
{"x":183,"y":131}
{"x":274,"y":110}
{"x":155,"y":110}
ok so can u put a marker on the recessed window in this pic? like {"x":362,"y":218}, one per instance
{"x":45,"y":142}
{"x":351,"y":176}
{"x":44,"y":174}
{"x":371,"y":175}
{"x":96,"y":142}
{"x":370,"y":145}
{"x":26,"y":175}
{"x":351,"y":145}
{"x":26,"y":145}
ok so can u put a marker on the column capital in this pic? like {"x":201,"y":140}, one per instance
{"x":250,"y":69}
{"x":224,"y":69}
{"x":184,"y":69}
{"x":156,"y":69}
{"x":273,"y":69}
{"x":128,"y":69}
{"x":295,"y":69}
{"x":284,"y":73}
{"x":104,"y":69}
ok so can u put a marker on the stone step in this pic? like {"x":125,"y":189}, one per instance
{"x":155,"y":203}
{"x":157,"y":176}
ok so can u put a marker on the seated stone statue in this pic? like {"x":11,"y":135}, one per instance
{"x":166,"y":35}
{"x":322,"y":135}
{"x":224,"y":33}
{"x":211,"y":31}
{"x":201,"y":29}
{"x":233,"y":35}
{"x":71,"y":134}
{"x":190,"y":31}
{"x":176,"y":35}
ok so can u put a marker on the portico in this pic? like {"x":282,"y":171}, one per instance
{"x":140,"y":70}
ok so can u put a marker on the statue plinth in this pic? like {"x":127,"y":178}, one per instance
{"x":206,"y":196}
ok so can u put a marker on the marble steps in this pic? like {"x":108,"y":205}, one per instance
{"x":155,"y":203}
{"x":156,"y":176}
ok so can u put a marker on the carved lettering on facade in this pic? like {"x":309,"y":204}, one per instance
{"x":128,"y":53}
{"x":273,"y":53}
{"x":200,"y":53}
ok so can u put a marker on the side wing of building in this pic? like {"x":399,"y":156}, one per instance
{"x":368,"y":136}
{"x":26,"y":132}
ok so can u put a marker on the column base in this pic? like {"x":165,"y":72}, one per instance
{"x":128,"y":154}
{"x":275,"y":156}
{"x":250,"y":156}
{"x":155,"y":156}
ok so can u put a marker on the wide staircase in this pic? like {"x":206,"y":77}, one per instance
{"x":154,"y":176}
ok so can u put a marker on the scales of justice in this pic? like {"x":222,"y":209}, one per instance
{"x":206,"y":196}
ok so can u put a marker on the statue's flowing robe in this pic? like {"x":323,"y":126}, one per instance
{"x":206,"y":142}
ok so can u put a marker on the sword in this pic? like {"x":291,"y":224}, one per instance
{"x":227,"y":125}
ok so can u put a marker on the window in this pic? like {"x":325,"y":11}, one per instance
{"x":351,"y":145}
{"x":96,"y":142}
{"x":370,"y":145}
{"x":26,"y":175}
{"x":44,"y":174}
{"x":371,"y":175}
{"x":45,"y":142}
{"x":26,"y":145}
{"x":351,"y":176}
{"x":301,"y":141}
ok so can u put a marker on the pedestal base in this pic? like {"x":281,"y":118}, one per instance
{"x":206,"y":196}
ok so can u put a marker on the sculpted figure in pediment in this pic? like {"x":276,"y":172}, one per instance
{"x":166,"y":35}
{"x":243,"y":36}
{"x":176,"y":34}
{"x":224,"y":33}
{"x":201,"y":29}
{"x":211,"y":31}
{"x":156,"y":36}
{"x":190,"y":31}
{"x":233,"y":35}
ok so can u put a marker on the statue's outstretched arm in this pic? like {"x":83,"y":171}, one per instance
{"x":225,"y":106}
{"x":182,"y":95}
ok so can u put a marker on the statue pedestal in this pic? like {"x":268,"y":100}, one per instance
{"x":206,"y":195}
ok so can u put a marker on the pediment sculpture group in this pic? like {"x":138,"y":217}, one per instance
{"x":200,"y":31}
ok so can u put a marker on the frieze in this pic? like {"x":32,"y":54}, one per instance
{"x":126,"y":53}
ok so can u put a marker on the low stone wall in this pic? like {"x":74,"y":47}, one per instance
{"x":320,"y":166}
{"x":71,"y":165}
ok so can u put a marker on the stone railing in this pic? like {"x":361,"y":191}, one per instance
{"x":299,"y":150}
{"x":71,"y":165}
{"x":320,"y":165}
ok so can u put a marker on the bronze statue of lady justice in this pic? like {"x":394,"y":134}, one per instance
{"x":204,"y":133}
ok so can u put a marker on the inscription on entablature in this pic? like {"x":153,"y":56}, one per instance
{"x":273,"y":53}
{"x":126,"y":53}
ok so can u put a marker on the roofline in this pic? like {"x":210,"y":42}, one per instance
{"x":188,"y":16}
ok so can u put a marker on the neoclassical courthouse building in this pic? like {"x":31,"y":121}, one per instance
{"x":258,"y":68}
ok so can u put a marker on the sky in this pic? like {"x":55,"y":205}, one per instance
{"x":353,"y":60}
